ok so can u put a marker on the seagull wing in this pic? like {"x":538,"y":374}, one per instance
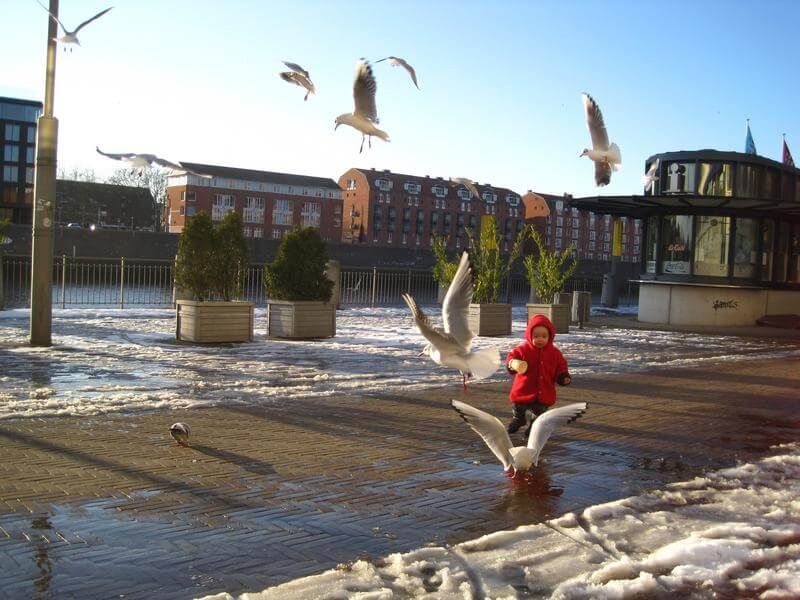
{"x":594,"y":119}
{"x":489,"y":428}
{"x":467,"y":183}
{"x":602,"y":173}
{"x":297,"y":69}
{"x":289,"y":76}
{"x":443,"y":342}
{"x":115,"y":156}
{"x":87,"y":21}
{"x":364,"y":89}
{"x":455,"y":308}
{"x":408,"y":68}
{"x":166,"y":163}
{"x":198,"y":173}
{"x":546,"y":423}
{"x":52,"y":16}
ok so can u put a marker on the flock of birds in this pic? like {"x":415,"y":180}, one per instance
{"x":451,"y":346}
{"x":364,"y":118}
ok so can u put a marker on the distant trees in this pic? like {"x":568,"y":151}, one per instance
{"x":76,"y":174}
{"x":149,"y":177}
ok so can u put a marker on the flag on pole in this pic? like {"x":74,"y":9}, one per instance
{"x":749,"y":144}
{"x":787,"y":156}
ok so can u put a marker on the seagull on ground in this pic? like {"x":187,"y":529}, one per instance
{"x":649,"y":178}
{"x":141,"y":161}
{"x":365,"y":115}
{"x":517,"y":459}
{"x":606,"y":156}
{"x":396,"y":61}
{"x":450,"y":346}
{"x":180,"y":433}
{"x":71,"y":37}
{"x":467,"y":183}
{"x":298,"y":76}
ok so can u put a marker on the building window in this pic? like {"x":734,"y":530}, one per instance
{"x":311,"y":215}
{"x":190,"y":211}
{"x":10,"y":174}
{"x":420,"y":221}
{"x":560,"y":221}
{"x":223,"y":204}
{"x":745,"y":257}
{"x":558,"y":243}
{"x":392,"y":221}
{"x":11,"y":153}
{"x":253,"y":210}
{"x":258,"y":232}
{"x":559,"y":232}
{"x":448,"y":221}
{"x":181,"y":211}
{"x":30,"y":154}
{"x":29,"y":174}
{"x":31,"y":134}
{"x":191,"y":196}
{"x":282,"y":213}
{"x":439,"y":191}
{"x":574,"y":234}
{"x":434,"y":222}
{"x":276,"y":234}
{"x":715,"y":179}
{"x":376,"y":219}
{"x":711,"y":246}
{"x":676,"y":244}
{"x":406,"y":221}
{"x":12,"y":132}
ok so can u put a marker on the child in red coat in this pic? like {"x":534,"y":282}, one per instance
{"x":538,"y":365}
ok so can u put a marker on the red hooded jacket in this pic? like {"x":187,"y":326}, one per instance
{"x":546,"y":367}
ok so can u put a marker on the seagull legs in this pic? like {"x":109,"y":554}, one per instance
{"x":360,"y":150}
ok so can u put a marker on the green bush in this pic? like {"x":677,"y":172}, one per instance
{"x":549,"y":271}
{"x":490,"y":267}
{"x":298,"y":271}
{"x":211,"y":261}
{"x":444,"y":269}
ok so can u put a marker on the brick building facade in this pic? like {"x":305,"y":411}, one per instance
{"x":382,"y":208}
{"x":270,"y":204}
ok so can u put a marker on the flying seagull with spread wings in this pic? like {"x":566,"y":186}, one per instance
{"x":606,"y":156}
{"x":450,"y":345}
{"x":467,"y":183}
{"x":365,"y":115}
{"x":517,"y":458}
{"x":298,"y":76}
{"x":141,"y":161}
{"x":71,"y":37}
{"x":396,"y":61}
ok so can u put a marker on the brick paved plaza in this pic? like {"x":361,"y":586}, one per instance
{"x":109,"y":506}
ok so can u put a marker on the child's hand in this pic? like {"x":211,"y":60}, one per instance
{"x":564,"y":379}
{"x":520,"y":366}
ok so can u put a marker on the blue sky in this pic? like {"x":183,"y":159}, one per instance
{"x":500,"y":83}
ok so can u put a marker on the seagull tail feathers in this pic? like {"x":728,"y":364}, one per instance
{"x":381,"y":134}
{"x":614,"y":156}
{"x":483,"y":363}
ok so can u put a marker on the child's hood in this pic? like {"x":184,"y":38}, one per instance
{"x":536,"y":321}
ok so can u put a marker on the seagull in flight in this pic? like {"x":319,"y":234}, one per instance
{"x":141,"y":161}
{"x":71,"y":37}
{"x":396,"y":61}
{"x":649,"y":178}
{"x":298,"y":76}
{"x":365,"y":115}
{"x":467,"y":183}
{"x":180,"y":432}
{"x":606,"y":156}
{"x":517,"y":459}
{"x":450,"y":345}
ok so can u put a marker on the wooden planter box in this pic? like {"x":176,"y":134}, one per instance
{"x":490,"y":319}
{"x":300,"y":320}
{"x":557,"y":313}
{"x":214,"y":321}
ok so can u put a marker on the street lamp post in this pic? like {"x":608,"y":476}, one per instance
{"x":44,"y":197}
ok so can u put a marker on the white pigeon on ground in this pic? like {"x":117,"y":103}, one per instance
{"x":365,"y":115}
{"x":180,"y":433}
{"x":141,"y":161}
{"x":467,"y":183}
{"x":649,"y":178}
{"x":606,"y":157}
{"x":298,"y":76}
{"x":396,"y":61}
{"x":71,"y":37}
{"x":493,"y":432}
{"x":450,"y":346}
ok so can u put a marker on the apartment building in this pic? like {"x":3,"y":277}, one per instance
{"x":271,"y":204}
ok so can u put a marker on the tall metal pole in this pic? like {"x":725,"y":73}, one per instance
{"x":44,"y":199}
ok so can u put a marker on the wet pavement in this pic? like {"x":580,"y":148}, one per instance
{"x":108,"y":506}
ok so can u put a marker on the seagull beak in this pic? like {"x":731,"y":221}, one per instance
{"x":335,"y":126}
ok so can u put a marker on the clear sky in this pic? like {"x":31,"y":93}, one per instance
{"x":500,"y":82}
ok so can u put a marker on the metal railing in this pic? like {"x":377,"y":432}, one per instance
{"x":127,"y":282}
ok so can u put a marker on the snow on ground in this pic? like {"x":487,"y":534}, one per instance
{"x":110,"y":360}
{"x":730,"y":534}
